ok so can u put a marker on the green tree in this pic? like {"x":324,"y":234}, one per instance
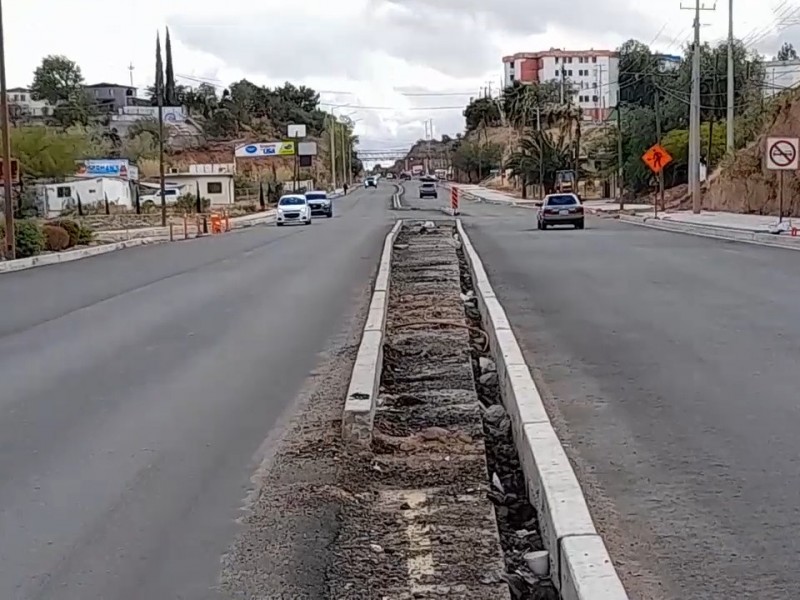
{"x":476,"y":159}
{"x":638,"y":74}
{"x":532,"y":104}
{"x":59,"y":81}
{"x":169,"y":86}
{"x":540,"y":155}
{"x":787,"y":52}
{"x":46,"y":153}
{"x":482,"y":112}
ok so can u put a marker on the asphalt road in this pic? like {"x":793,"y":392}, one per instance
{"x":137,"y":390}
{"x":669,"y":364}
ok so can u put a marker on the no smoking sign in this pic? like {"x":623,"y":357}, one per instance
{"x":782,"y":153}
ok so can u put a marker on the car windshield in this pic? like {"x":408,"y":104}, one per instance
{"x":292,"y":201}
{"x":428,"y":185}
{"x":564,"y":200}
{"x":316,"y":196}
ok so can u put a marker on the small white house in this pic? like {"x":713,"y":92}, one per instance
{"x":217,"y":187}
{"x":55,"y":197}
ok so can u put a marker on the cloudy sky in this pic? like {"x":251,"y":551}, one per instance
{"x":393,"y":63}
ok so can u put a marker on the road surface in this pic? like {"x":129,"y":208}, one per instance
{"x":670,"y":366}
{"x":137,"y":388}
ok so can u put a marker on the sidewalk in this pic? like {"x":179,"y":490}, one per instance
{"x":754,"y":229}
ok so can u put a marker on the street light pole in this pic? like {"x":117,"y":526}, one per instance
{"x":729,"y":130}
{"x":333,"y":149}
{"x":10,"y":250}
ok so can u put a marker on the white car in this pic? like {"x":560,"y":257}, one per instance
{"x":293,"y":208}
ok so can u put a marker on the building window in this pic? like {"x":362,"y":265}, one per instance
{"x":594,"y":98}
{"x":63,"y":191}
{"x":569,"y":72}
{"x":594,"y":85}
{"x":556,"y":60}
{"x":214,"y":187}
{"x":594,"y":59}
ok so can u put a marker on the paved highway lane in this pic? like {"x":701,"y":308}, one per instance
{"x":136,"y":389}
{"x":669,"y":364}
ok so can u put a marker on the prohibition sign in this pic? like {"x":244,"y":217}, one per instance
{"x":782,"y":154}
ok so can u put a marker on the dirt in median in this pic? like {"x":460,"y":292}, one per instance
{"x":415,"y":516}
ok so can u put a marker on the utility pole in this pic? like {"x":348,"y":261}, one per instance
{"x":563,"y":75}
{"x":10,"y":249}
{"x":620,"y":186}
{"x":694,"y":113}
{"x":160,"y":98}
{"x":541,"y":152}
{"x":660,"y":199}
{"x":131,"y":68}
{"x":344,"y":155}
{"x":333,"y":149}
{"x":729,"y":130}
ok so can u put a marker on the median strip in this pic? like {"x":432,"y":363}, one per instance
{"x":579,"y":562}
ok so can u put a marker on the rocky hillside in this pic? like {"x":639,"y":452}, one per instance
{"x":744,"y":185}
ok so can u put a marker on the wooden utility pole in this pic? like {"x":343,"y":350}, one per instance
{"x":10,"y":249}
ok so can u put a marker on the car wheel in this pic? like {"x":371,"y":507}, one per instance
{"x":579,"y":225}
{"x":329,"y":215}
{"x":308,"y":222}
{"x":279,"y":224}
{"x":544,"y":225}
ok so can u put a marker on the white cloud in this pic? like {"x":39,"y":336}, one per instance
{"x":373,"y":50}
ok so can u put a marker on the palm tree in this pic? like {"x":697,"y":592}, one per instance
{"x":539,"y":156}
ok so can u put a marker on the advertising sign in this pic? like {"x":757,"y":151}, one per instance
{"x":297,"y":131}
{"x":265,"y":149}
{"x":307,"y":149}
{"x":108,"y":167}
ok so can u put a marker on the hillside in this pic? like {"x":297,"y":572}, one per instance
{"x":744,"y":185}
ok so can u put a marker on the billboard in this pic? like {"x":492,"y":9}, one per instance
{"x":108,"y":167}
{"x":265,"y":149}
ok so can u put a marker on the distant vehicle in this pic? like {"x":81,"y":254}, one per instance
{"x":371,"y":182}
{"x":293,"y":208}
{"x":171,"y":195}
{"x":441,"y":174}
{"x":319,"y":203}
{"x":560,"y":209}
{"x":428,"y":190}
{"x":565,"y":182}
{"x":390,"y":176}
{"x":428,"y":178}
{"x":405,"y":175}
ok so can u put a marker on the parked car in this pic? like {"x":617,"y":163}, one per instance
{"x":371,"y":182}
{"x":560,"y":209}
{"x":320,"y":204}
{"x":293,"y":208}
{"x":428,"y":190}
{"x":405,"y":176}
{"x":171,"y":195}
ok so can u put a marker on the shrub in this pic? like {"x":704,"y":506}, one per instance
{"x":187,"y":204}
{"x":29,"y":238}
{"x":56,"y":238}
{"x":85,"y":235}
{"x":71,"y":227}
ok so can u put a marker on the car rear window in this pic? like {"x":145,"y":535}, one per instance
{"x":316,"y":196}
{"x":292,"y":201}
{"x":565,"y":200}
{"x":428,"y":185}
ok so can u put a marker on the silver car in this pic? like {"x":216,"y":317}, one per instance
{"x":560,"y":209}
{"x":293,"y":209}
{"x":320,"y":204}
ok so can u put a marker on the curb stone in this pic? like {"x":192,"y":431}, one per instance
{"x":580,"y":565}
{"x":362,"y":393}
{"x":21,"y":264}
{"x":718,"y":233}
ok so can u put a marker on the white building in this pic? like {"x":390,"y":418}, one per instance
{"x":23,"y":106}
{"x":593,"y":75}
{"x":55,"y":197}
{"x":780,"y":75}
{"x":217,"y":187}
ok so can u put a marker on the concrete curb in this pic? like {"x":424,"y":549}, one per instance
{"x":717,"y":233}
{"x":21,"y":264}
{"x":579,"y":562}
{"x":362,"y":394}
{"x":399,"y":190}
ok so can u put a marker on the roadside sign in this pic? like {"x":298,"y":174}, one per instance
{"x":296,"y":131}
{"x":782,"y":153}
{"x":657,"y":158}
{"x":265,"y":149}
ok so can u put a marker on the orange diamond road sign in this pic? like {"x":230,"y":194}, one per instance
{"x":656,"y":158}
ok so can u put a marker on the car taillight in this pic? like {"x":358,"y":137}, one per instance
{"x":579,"y":210}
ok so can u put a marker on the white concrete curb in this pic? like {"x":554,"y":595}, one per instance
{"x":399,"y":190}
{"x":21,"y":264}
{"x":717,"y":233}
{"x":579,"y":562}
{"x":362,"y":394}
